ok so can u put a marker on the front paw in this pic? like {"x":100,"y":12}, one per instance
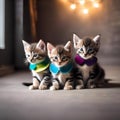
{"x":31,"y":87}
{"x":54,"y":88}
{"x":91,"y":84}
{"x":78,"y":87}
{"x":69,"y":87}
{"x":42,"y":87}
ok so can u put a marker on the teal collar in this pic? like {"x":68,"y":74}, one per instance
{"x":65,"y":69}
{"x":41,"y":66}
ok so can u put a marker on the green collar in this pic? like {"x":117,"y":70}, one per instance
{"x":41,"y":66}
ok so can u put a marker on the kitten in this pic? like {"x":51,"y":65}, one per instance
{"x":36,"y":55}
{"x":61,"y":66}
{"x":91,"y":74}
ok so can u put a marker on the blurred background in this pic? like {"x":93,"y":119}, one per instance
{"x":56,"y":21}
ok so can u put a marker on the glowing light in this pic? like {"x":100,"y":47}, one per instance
{"x":73,"y":6}
{"x":92,"y":0}
{"x":84,"y":5}
{"x":96,"y":5}
{"x":85,"y":11}
{"x":82,"y":2}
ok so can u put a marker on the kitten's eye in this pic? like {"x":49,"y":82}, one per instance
{"x":55,"y":58}
{"x":64,"y":58}
{"x":91,"y":50}
{"x":81,"y":49}
{"x":27,"y":55}
{"x":35,"y":55}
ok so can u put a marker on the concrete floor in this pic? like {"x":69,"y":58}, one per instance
{"x":19,"y":103}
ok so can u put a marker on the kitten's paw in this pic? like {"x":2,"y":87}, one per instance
{"x":43,"y":87}
{"x":31,"y":87}
{"x":91,"y":85}
{"x":78,"y":87}
{"x":69,"y":87}
{"x":53,"y":88}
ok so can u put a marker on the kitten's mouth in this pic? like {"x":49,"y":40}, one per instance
{"x":35,"y":62}
{"x":59,"y":63}
{"x":85,"y":56}
{"x":62,"y":64}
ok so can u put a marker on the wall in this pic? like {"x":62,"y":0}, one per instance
{"x":56,"y":24}
{"x":18,"y":35}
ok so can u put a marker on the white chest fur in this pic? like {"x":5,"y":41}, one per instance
{"x":62,"y":77}
{"x":85,"y":70}
{"x":38,"y":75}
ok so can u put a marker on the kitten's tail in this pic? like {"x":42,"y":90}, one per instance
{"x":26,"y":84}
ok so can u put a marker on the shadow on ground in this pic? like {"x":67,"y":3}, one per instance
{"x":109,"y":83}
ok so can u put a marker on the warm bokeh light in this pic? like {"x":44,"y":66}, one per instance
{"x":96,"y":5}
{"x":82,"y":2}
{"x":73,"y":6}
{"x":64,"y":1}
{"x":86,"y":6}
{"x":92,"y":0}
{"x":85,"y":11}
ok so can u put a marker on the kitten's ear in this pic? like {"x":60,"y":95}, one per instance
{"x":50,"y":47}
{"x":41,"y":45}
{"x":76,"y":40}
{"x":26,"y":45}
{"x":68,"y":46}
{"x":96,"y":39}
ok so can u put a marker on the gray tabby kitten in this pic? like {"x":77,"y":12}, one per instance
{"x":61,"y":66}
{"x":36,"y":55}
{"x":90,"y":74}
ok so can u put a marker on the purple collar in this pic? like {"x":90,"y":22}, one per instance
{"x":82,"y":61}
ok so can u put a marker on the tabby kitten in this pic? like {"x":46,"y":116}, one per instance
{"x":36,"y":55}
{"x":90,"y":74}
{"x":61,"y":66}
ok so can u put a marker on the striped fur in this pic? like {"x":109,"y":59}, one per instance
{"x":60,"y":56}
{"x":88,"y":76}
{"x":35,"y":53}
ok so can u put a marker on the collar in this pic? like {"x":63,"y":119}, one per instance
{"x":41,"y":66}
{"x":64,"y":69}
{"x":82,"y":61}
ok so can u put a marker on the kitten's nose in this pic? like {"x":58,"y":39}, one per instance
{"x":59,"y":62}
{"x":85,"y":55}
{"x":31,"y":59}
